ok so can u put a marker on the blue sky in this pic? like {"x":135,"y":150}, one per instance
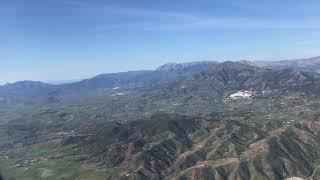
{"x":72,"y":39}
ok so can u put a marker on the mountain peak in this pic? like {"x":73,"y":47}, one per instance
{"x":182,"y":66}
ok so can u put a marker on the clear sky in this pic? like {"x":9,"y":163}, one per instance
{"x":73,"y":39}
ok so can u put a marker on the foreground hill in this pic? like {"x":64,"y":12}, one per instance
{"x":179,"y":147}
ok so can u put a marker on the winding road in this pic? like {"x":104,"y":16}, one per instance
{"x":307,"y":178}
{"x":314,"y":173}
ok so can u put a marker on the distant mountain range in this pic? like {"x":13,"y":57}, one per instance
{"x":309,"y":64}
{"x":139,"y":79}
{"x":23,"y":90}
{"x":176,"y":69}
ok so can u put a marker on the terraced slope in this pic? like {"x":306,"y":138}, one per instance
{"x":180,"y":147}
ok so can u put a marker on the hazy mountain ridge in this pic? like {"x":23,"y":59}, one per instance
{"x":24,"y":90}
{"x":308,"y":64}
{"x":114,"y":79}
